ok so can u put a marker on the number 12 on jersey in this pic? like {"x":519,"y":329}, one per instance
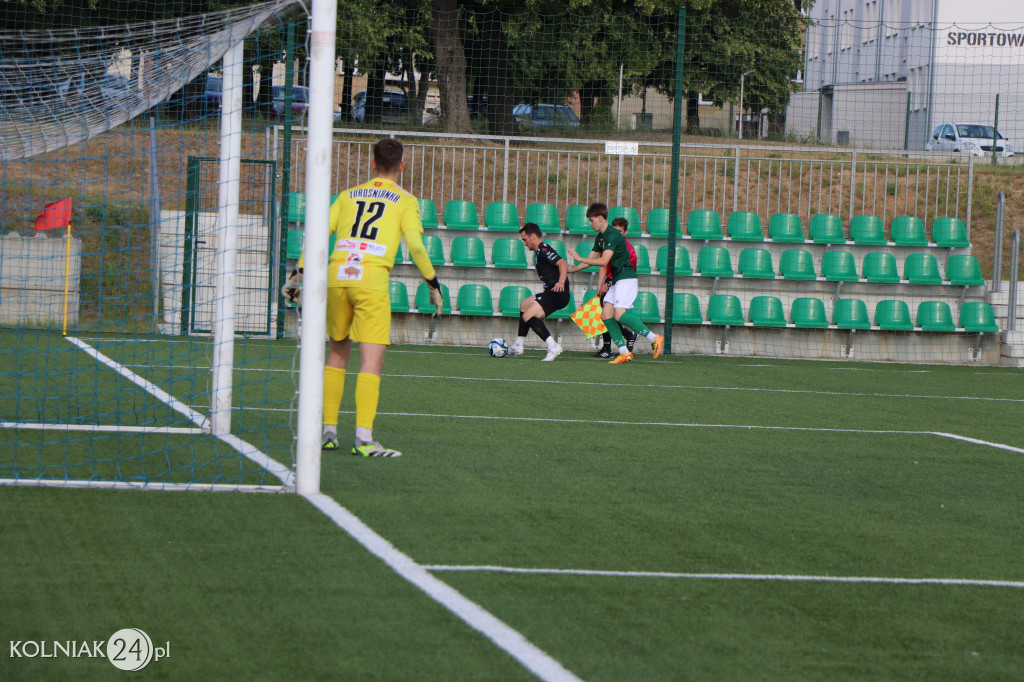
{"x":367,"y":213}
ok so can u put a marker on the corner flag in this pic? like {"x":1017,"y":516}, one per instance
{"x":54,"y":215}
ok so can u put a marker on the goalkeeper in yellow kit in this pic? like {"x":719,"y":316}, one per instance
{"x":368,"y":222}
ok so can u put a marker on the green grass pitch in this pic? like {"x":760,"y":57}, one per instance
{"x":690,"y":518}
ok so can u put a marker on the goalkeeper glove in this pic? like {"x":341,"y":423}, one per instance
{"x":292,"y":289}
{"x":436,"y":296}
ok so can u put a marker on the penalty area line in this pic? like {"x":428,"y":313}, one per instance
{"x":734,"y":576}
{"x":113,"y":428}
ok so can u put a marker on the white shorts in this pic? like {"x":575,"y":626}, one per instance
{"x":622,"y":294}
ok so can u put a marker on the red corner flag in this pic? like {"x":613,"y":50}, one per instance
{"x":57,"y":214}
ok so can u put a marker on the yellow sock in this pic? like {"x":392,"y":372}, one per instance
{"x":334,"y":387}
{"x":367,"y":396}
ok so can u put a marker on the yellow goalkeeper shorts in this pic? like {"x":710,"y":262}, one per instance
{"x":362,"y":314}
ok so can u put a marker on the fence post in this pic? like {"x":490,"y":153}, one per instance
{"x":906,"y":125}
{"x":997,"y":246}
{"x":618,"y":191}
{"x":970,"y":194}
{"x":1011,"y":302}
{"x":853,"y":181}
{"x":504,"y":179}
{"x":736,"y":177}
{"x":673,"y":195}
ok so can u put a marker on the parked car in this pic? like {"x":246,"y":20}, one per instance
{"x":545,"y":115}
{"x":970,"y":138}
{"x":212,"y":93}
{"x":300,"y":100}
{"x":394,"y":106}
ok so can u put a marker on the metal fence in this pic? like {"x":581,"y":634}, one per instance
{"x":726,"y":178}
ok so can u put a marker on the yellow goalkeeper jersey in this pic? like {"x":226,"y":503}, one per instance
{"x":368,"y":222}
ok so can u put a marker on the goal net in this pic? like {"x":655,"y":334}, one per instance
{"x":111,"y":138}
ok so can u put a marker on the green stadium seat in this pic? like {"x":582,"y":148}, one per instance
{"x":435,"y":249}
{"x":646,"y":306}
{"x":893,"y":315}
{"x":725,"y":309}
{"x":399,"y":256}
{"x":399,"y":297}
{"x":867,"y":230}
{"x":428,"y":214}
{"x":908,"y":231}
{"x":508,"y":253}
{"x":756,"y":264}
{"x":880,"y":268}
{"x":423,"y":304}
{"x":461,"y":215}
{"x":745,"y":226}
{"x":921,"y":268}
{"x":297,"y":207}
{"x":293,"y":244}
{"x":976,"y":316}
{"x":797,"y":264}
{"x":558,"y":245}
{"x":808,"y":313}
{"x":584,"y":250}
{"x":510,"y":298}
{"x":565,"y":312}
{"x":826,"y":229}
{"x":682,"y":264}
{"x":767,"y":311}
{"x":704,"y":224}
{"x":839,"y":266}
{"x":686,"y":309}
{"x":786,"y":228}
{"x":935,"y":316}
{"x":657,"y":223}
{"x":850,"y":313}
{"x":576,"y":220}
{"x":630,"y":214}
{"x":950,"y":233}
{"x":468,"y":252}
{"x":588,"y":294}
{"x":545,"y":216}
{"x":475,"y":299}
{"x":964,"y":270}
{"x":714,"y":261}
{"x":501,"y":216}
{"x":643,"y":259}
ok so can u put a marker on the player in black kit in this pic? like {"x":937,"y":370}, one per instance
{"x":553,"y":271}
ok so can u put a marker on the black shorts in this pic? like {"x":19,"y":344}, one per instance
{"x":552,"y":301}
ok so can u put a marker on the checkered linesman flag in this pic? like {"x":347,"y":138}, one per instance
{"x":588,"y":317}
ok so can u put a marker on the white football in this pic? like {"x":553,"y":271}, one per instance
{"x":497,"y":348}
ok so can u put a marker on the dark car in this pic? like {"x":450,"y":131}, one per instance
{"x":546,"y":116}
{"x":394,"y":106}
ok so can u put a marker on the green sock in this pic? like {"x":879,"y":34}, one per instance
{"x":616,"y":331}
{"x":632,"y":320}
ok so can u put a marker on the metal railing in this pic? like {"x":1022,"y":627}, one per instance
{"x":725,"y":178}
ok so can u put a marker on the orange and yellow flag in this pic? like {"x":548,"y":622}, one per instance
{"x":588,"y":317}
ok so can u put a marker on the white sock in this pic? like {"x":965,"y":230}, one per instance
{"x":651,"y":336}
{"x":330,"y":431}
{"x":520,"y":340}
{"x":552,"y":344}
{"x":363,"y":434}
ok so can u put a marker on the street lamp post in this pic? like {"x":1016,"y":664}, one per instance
{"x":739,"y":124}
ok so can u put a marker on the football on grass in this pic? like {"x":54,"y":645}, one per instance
{"x":497,"y":348}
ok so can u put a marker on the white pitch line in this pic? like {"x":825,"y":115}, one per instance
{"x":734,"y":576}
{"x":36,"y":426}
{"x":132,"y":485}
{"x":163,"y":396}
{"x":474,"y":615}
{"x":533,"y":658}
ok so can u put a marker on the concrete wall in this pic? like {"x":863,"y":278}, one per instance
{"x":32,"y":277}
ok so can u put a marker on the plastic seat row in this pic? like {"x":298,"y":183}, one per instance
{"x":706,"y":224}
{"x":847,"y":313}
{"x":837,"y":266}
{"x":471,"y":299}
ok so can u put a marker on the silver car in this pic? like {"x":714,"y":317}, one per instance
{"x":970,"y":138}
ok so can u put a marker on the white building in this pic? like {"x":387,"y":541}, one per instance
{"x":883,"y":74}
